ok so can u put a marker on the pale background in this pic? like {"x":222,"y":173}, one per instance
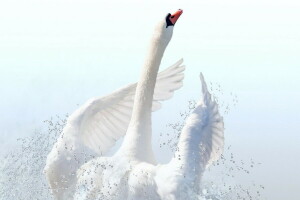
{"x":54,"y":55}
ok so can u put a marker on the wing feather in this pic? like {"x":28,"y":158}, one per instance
{"x":213,"y":135}
{"x":205,"y":128}
{"x":102,"y":121}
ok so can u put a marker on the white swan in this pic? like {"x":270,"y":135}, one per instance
{"x":132,"y":172}
{"x":95,"y":127}
{"x":110,"y":177}
{"x":119,"y":178}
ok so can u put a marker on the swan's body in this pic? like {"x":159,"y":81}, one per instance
{"x":120,"y":177}
{"x":95,"y":127}
{"x":132,"y":173}
{"x":78,"y":144}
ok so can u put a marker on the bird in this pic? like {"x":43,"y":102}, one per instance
{"x":95,"y":127}
{"x":132,"y":173}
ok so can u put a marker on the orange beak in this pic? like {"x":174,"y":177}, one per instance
{"x":175,"y":16}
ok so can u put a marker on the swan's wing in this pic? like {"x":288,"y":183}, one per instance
{"x":200,"y":143}
{"x":167,"y":82}
{"x":102,"y":121}
{"x":212,"y":143}
{"x":206,"y":128}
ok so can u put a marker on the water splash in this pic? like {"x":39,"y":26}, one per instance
{"x":22,"y":177}
{"x":21,"y":172}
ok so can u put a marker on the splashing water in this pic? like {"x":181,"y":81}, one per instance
{"x":21,"y":172}
{"x":22,"y":177}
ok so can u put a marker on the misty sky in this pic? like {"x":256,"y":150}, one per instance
{"x":54,"y":55}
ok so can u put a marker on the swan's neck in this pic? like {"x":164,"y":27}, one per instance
{"x":137,"y":142}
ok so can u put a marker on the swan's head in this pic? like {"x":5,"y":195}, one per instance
{"x":172,"y":19}
{"x":164,"y":29}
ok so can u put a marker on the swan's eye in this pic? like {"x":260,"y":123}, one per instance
{"x":172,"y":16}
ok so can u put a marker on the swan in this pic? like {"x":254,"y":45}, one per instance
{"x":200,"y":143}
{"x":132,"y":172}
{"x":96,"y":126}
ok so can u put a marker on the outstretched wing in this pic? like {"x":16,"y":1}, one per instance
{"x":102,"y":121}
{"x":212,"y":142}
{"x":204,"y":130}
